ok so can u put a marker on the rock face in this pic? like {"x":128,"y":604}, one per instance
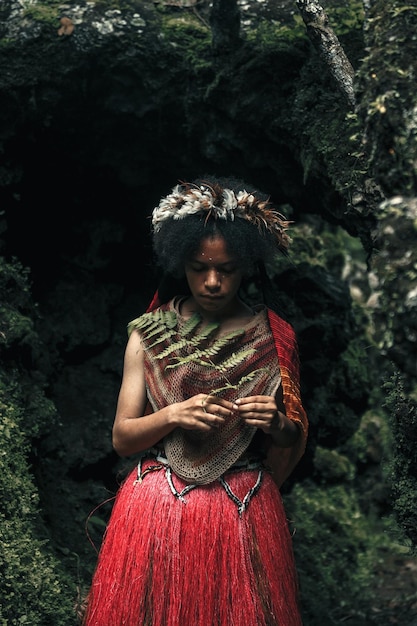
{"x":103,"y":108}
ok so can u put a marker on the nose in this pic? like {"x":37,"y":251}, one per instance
{"x":212,"y":280}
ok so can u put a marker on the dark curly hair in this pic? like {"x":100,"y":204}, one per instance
{"x":178,"y":239}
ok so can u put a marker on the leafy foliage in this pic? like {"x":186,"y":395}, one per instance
{"x":403,"y":467}
{"x":335,"y":547}
{"x":33,"y":588}
{"x":16,"y":309}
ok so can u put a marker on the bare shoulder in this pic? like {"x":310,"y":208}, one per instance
{"x":134,"y":345}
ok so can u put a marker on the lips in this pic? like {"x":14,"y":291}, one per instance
{"x":212,"y":298}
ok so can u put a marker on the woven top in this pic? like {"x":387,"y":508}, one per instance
{"x":184,"y":358}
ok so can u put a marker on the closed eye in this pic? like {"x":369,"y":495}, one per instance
{"x":221,"y":269}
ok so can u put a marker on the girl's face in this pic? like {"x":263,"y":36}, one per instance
{"x":214,"y":278}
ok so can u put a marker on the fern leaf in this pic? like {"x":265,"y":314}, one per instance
{"x":190,"y":324}
{"x":154,"y":329}
{"x":165,"y":336}
{"x":140,"y":322}
{"x":169,"y":319}
{"x":219,"y":343}
{"x":192,"y":358}
{"x":197,"y":356}
{"x":212,"y":350}
{"x":153,"y":333}
{"x":218,"y":390}
{"x":204,"y":333}
{"x":236,"y":359}
{"x":234,"y":333}
{"x":155,"y":319}
{"x":243,"y":380}
{"x":251,"y":375}
{"x":177,"y":345}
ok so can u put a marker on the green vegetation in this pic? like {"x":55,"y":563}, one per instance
{"x":270,"y":34}
{"x":274,"y":81}
{"x":347,"y":18}
{"x":403,"y":466}
{"x":46,"y":12}
{"x":34,"y":589}
{"x":337,"y":548}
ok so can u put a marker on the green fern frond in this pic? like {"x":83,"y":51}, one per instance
{"x":191,"y":324}
{"x":218,"y":390}
{"x":204,"y":333}
{"x":138,"y":324}
{"x":169,"y":319}
{"x":197,"y":356}
{"x":163,"y":325}
{"x":192,"y":358}
{"x":166,"y":335}
{"x":147,"y":323}
{"x":212,"y":350}
{"x":234,"y":333}
{"x":221,"y":342}
{"x":155,"y":329}
{"x":252,"y":375}
{"x":154,"y":319}
{"x":153,"y":332}
{"x":236,"y":359}
{"x":177,"y":345}
{"x":243,"y":380}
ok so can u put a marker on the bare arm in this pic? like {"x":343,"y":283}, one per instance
{"x":130,"y":434}
{"x":133,"y":431}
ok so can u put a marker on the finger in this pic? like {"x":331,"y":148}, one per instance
{"x":211,"y":423}
{"x":214,"y":414}
{"x":247,"y":405}
{"x":217,"y":407}
{"x":209,"y":406}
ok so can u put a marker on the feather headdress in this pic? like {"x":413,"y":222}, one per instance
{"x":216,"y":202}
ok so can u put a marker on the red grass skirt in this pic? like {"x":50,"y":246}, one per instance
{"x":196,"y":562}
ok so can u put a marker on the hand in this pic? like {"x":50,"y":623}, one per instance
{"x":261,"y":412}
{"x":202,"y":412}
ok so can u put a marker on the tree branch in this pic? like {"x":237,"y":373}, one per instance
{"x":328,"y":45}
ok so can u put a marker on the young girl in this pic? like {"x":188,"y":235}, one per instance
{"x":210,"y":403}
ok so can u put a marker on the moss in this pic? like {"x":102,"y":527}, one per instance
{"x":372,"y":442}
{"x":191,"y":39}
{"x":270,"y":34}
{"x":16,"y":308}
{"x":346,"y":18}
{"x":331,"y":466}
{"x":395,"y":264}
{"x":403,"y":466}
{"x":121,"y":5}
{"x":33,"y":588}
{"x":46,"y":12}
{"x":335,"y":548}
{"x":387,"y":101}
